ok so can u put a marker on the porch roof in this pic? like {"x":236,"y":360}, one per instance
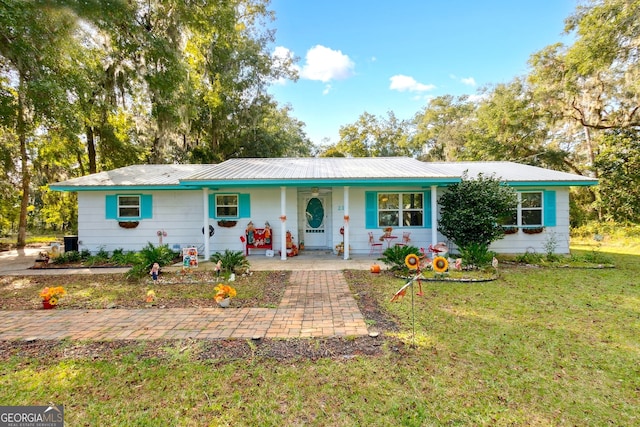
{"x":315,"y":171}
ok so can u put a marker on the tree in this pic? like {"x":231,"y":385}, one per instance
{"x":442,"y":128}
{"x":470,"y":211}
{"x":508,"y":126}
{"x":618,"y":163}
{"x":33,"y":43}
{"x":371,"y":136}
{"x":595,"y":81}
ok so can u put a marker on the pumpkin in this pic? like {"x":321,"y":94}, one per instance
{"x":375,"y":268}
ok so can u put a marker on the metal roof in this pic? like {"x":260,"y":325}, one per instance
{"x":134,"y":176}
{"x":317,"y":171}
{"x":319,"y":168}
{"x":512,"y":172}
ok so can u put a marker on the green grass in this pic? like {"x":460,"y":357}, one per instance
{"x":538,"y":346}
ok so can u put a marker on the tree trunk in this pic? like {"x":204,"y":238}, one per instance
{"x":24,"y":163}
{"x":91,"y":149}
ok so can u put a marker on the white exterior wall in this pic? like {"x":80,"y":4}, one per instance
{"x":521,"y":242}
{"x":358,"y":233}
{"x":179,"y":213}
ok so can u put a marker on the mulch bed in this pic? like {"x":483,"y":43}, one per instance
{"x":221,"y":351}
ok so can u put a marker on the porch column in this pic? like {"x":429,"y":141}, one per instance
{"x":346,"y":222}
{"x":205,"y":223}
{"x":434,"y":215}
{"x":283,"y":225}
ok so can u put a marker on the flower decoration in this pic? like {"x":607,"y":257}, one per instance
{"x":223,"y":292}
{"x":412,"y":261}
{"x":151,"y":295}
{"x":440,"y":264}
{"x":52,"y":294}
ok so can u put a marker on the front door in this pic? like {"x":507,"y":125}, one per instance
{"x":315,"y":222}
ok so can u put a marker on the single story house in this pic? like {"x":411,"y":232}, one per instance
{"x":322,"y":203}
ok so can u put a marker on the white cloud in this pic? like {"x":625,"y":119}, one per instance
{"x":469,"y":81}
{"x":325,"y":64}
{"x":326,"y":90}
{"x":404,"y":83}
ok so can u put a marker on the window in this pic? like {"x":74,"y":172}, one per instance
{"x":528,"y":212}
{"x":226,"y":206}
{"x":400,"y":210}
{"x":531,"y":208}
{"x":129,"y":207}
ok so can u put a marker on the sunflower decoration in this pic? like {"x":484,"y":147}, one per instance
{"x":440,"y":264}
{"x":412,"y":261}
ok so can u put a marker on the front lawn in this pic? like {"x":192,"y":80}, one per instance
{"x":537,"y":346}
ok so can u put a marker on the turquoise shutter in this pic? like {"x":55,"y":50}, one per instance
{"x":146,"y":206}
{"x":426,"y":200}
{"x":111,"y":207}
{"x":244,"y":210}
{"x":550,"y":208}
{"x":212,"y":206}
{"x":371,"y":209}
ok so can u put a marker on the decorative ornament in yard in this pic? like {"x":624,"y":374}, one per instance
{"x":412,"y":261}
{"x":161,"y":234}
{"x":440,"y":264}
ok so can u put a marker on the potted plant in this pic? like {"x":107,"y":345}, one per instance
{"x":223,"y":295}
{"x":533,"y":230}
{"x":51,"y":295}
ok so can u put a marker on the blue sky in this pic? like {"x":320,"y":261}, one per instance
{"x":378,"y":55}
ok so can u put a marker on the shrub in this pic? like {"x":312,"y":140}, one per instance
{"x":471,"y":211}
{"x":68,"y":257}
{"x":476,"y":254}
{"x":232,"y":261}
{"x":147,"y":257}
{"x":120,"y":257}
{"x":394,"y":256}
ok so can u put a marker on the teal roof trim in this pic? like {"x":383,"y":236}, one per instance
{"x":122,"y":187}
{"x":321,"y":182}
{"x":584,"y":183}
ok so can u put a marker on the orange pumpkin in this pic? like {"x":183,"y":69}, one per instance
{"x":375,"y":268}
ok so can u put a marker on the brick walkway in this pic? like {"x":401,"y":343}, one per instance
{"x":315,"y":304}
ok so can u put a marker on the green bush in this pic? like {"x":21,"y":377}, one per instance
{"x":68,"y":257}
{"x":147,"y":257}
{"x":476,"y":254}
{"x":394,"y":257}
{"x":232,"y":261}
{"x":471,"y":211}
{"x":120,"y":257}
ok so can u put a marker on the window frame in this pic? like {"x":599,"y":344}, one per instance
{"x":120,"y":206}
{"x":400,"y":210}
{"x":216,"y":205}
{"x":519,"y":210}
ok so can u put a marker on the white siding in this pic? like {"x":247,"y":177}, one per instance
{"x":521,"y":242}
{"x":179,"y":214}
